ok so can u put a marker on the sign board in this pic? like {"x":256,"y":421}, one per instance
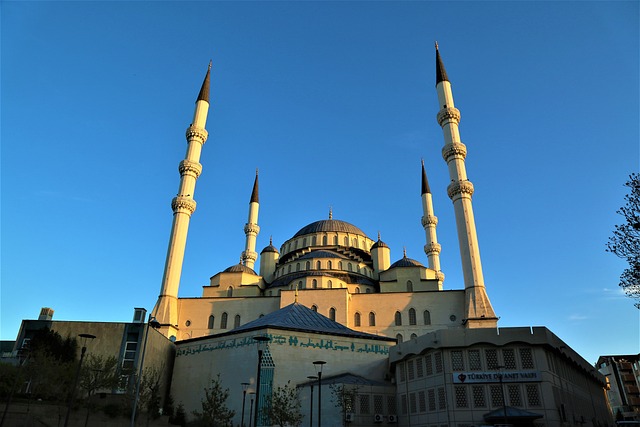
{"x":494,"y":377}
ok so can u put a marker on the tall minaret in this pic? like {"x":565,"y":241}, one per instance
{"x":479,"y":312}
{"x":183,"y":205}
{"x":251,"y":229}
{"x":429,"y":222}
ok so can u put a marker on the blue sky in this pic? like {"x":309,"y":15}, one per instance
{"x":335,"y":103}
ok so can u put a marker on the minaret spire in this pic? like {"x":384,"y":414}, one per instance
{"x":183,"y":205}
{"x":479,"y":312}
{"x":251,"y":228}
{"x":429,"y":222}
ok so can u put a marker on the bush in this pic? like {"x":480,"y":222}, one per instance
{"x":180,"y":417}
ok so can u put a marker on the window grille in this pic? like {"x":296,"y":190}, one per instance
{"x":236,"y":321}
{"x":410,"y":370}
{"x":474,"y":360}
{"x":428,"y":364}
{"x":401,"y":372}
{"x":412,"y":316}
{"x":427,"y":317}
{"x":515,"y":398}
{"x":372,"y":319}
{"x":403,"y":404}
{"x":457,"y":363}
{"x":431,"y":395}
{"x":442,"y":398}
{"x":413,"y":406}
{"x":356,"y":320}
{"x":223,"y":321}
{"x":461,"y":397}
{"x":479,"y":399}
{"x":496,"y":396}
{"x":438,"y":358}
{"x":419,"y":367}
{"x":492,"y":358}
{"x":332,"y":314}
{"x":378,"y":406}
{"x":526,"y":358}
{"x":391,"y":405}
{"x":365,"y":404}
{"x":509,"y":357}
{"x":398,"y":318}
{"x":422,"y":401}
{"x":533,"y":395}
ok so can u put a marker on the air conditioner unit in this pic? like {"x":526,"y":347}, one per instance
{"x":392,"y":419}
{"x":349,"y":417}
{"x":378,"y":418}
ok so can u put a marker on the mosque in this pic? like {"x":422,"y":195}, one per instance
{"x":330,"y":309}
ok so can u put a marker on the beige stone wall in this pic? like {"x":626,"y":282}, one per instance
{"x":235,"y":358}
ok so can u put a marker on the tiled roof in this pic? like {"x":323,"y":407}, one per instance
{"x":300,"y":318}
{"x":239,"y":268}
{"x":323,"y":254}
{"x":406,"y":262}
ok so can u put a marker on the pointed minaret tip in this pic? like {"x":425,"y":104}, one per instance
{"x":330,"y":212}
{"x":254,"y":193}
{"x":441,"y":73}
{"x":204,"y":90}
{"x":425,"y":182}
{"x":378,"y":235}
{"x":404,"y":252}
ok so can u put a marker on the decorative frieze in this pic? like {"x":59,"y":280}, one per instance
{"x":181,"y":204}
{"x":448,"y":115}
{"x":454,"y":150}
{"x":251,"y":229}
{"x":429,"y":220}
{"x":187,"y":167}
{"x":460,"y":188}
{"x":432,"y":248}
{"x":196,"y":134}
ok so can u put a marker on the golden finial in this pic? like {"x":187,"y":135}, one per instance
{"x":296,"y":294}
{"x":256,"y":171}
{"x":330,"y":212}
{"x":378,"y":235}
{"x":404,"y":251}
{"x":271,"y":240}
{"x":436,"y":44}
{"x":210,"y":62}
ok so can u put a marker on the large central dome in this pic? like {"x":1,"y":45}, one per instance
{"x":329,"y":225}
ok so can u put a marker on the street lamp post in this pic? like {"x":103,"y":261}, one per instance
{"x":245,"y":386}
{"x":261,"y":340}
{"x":252,"y":394}
{"x":313,"y":378}
{"x":319,"y":364}
{"x":504,"y":402}
{"x":154,"y":324}
{"x":84,"y":337}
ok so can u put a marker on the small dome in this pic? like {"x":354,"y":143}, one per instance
{"x":329,"y":225}
{"x":239,"y":268}
{"x":270,"y":248}
{"x":379,"y":244}
{"x":406,"y":262}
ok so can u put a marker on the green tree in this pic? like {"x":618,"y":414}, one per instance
{"x":98,"y":372}
{"x":215,"y":412}
{"x":344,"y":397}
{"x":150,"y":398}
{"x":283,"y":406}
{"x":625,"y":242}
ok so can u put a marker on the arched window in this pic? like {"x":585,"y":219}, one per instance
{"x":313,"y":240}
{"x":314,"y":284}
{"x":223,"y":321}
{"x":399,"y":338}
{"x":236,"y":321}
{"x":372,"y":319}
{"x":297,"y":266}
{"x":300,"y":285}
{"x":210,"y":324}
{"x":409,"y":286}
{"x":324,"y":240}
{"x":398,"y":318}
{"x":355,"y":242}
{"x":335,"y":240}
{"x":427,"y":317}
{"x":304,"y":242}
{"x":308,"y":265}
{"x":289,"y":269}
{"x":358,"y":268}
{"x":356,"y":319}
{"x":314,"y":308}
{"x":318,"y":265}
{"x":270,"y":293}
{"x":349,"y":267}
{"x":332,"y":314}
{"x":330,"y":284}
{"x":339,"y":265}
{"x":230,"y":291}
{"x":329,"y":265}
{"x":295,"y":245}
{"x":346,"y":241}
{"x":368,"y":290}
{"x":357,"y":290}
{"x":412,"y":316}
{"x":413,"y":336}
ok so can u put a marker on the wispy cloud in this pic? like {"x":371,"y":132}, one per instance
{"x":578,"y":317}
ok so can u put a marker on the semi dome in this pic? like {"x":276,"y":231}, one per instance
{"x":239,"y":268}
{"x":406,"y":262}
{"x":329,"y":225}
